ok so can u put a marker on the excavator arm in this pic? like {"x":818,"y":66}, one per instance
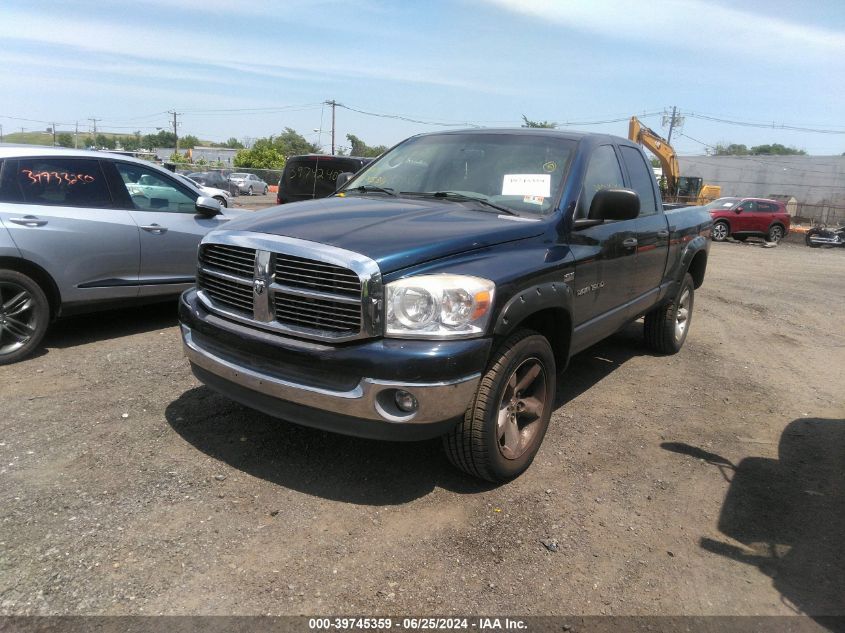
{"x":658,"y":146}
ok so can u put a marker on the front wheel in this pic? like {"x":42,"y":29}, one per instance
{"x":775,"y":233}
{"x":720,"y":232}
{"x":502,"y":430}
{"x":266,"y":189}
{"x":24,"y":316}
{"x":666,"y":326}
{"x":249,"y":191}
{"x":221,"y":200}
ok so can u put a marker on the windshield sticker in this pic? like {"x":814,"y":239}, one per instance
{"x":46,"y":177}
{"x":727,"y":205}
{"x":533,"y":199}
{"x":549,"y":167}
{"x":527,"y":185}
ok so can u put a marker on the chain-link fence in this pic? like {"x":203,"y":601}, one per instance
{"x":819,"y":214}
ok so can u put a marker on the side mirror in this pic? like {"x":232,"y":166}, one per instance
{"x":342,"y":179}
{"x":739,"y":210}
{"x":208,"y":207}
{"x":614,"y":204}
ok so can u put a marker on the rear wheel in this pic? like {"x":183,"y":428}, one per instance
{"x":24,"y":316}
{"x":720,"y":232}
{"x":266,"y":189}
{"x":505,"y":425}
{"x":666,"y":326}
{"x":249,"y":191}
{"x":775,"y":233}
{"x":808,"y":241}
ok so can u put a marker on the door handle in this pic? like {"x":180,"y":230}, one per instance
{"x":663,"y":233}
{"x":630,"y":242}
{"x":28,"y":220}
{"x":155,"y":228}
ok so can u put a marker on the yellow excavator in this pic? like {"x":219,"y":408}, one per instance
{"x":677,"y":190}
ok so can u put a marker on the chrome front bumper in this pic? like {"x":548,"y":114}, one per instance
{"x":370,"y":399}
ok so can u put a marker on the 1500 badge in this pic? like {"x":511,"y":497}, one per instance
{"x":586,"y":289}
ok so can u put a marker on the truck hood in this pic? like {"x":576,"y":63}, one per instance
{"x":395,"y":232}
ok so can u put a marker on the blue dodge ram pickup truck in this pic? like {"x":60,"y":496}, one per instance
{"x":440,"y":291}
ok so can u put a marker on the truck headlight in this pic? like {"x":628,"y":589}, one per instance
{"x":438,"y":306}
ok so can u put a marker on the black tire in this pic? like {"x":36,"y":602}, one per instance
{"x":477,"y":445}
{"x":775,"y":233}
{"x":266,"y":189}
{"x":740,"y":238}
{"x":24,"y":316}
{"x":221,"y":200}
{"x":807,"y":241}
{"x":661,"y":331}
{"x":249,"y":191}
{"x":720,"y":231}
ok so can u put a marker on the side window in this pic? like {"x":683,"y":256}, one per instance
{"x":603,"y":172}
{"x":151,"y":191}
{"x":748,"y":205}
{"x":69,"y":182}
{"x":765,"y":207}
{"x":642,"y":179}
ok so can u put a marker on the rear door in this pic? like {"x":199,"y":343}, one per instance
{"x":605,"y":255}
{"x":61,"y":214}
{"x":764,"y":215}
{"x":171,"y":229}
{"x":651,"y":227}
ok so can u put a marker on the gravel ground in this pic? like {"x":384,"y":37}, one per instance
{"x":710,"y":482}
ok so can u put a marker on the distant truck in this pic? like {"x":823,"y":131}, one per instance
{"x":678,"y":191}
{"x":443,"y":288}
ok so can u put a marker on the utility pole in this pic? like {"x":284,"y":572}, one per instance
{"x":674,"y":120}
{"x":94,"y":122}
{"x":333,"y":104}
{"x":54,"y":134}
{"x":175,"y":124}
{"x":76,"y":136}
{"x":1,"y":132}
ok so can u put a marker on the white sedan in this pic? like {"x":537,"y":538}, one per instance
{"x":250,"y":184}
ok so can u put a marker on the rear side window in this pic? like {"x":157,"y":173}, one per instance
{"x":70,"y":182}
{"x":300,"y":176}
{"x":766,"y":207}
{"x":603,"y":172}
{"x":642,"y":179}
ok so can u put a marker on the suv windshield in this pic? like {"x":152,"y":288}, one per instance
{"x":721,"y":203}
{"x":520,"y":172}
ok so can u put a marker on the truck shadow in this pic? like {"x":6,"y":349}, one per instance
{"x":789,"y":516}
{"x":101,"y":326}
{"x":351,"y":469}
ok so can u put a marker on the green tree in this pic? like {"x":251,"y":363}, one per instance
{"x":189,"y":141}
{"x":64,"y":140}
{"x":544,"y":124}
{"x":776,"y":149}
{"x":290,"y":143}
{"x":104,"y":141}
{"x":233,"y":143}
{"x":179,"y":159}
{"x":360,"y":148}
{"x":732,"y":149}
{"x":263,"y":155}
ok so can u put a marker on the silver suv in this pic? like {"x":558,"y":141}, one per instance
{"x":81,"y":231}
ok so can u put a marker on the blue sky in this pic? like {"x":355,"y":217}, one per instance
{"x":483,"y":62}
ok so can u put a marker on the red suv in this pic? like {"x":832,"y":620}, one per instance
{"x":741,"y":218}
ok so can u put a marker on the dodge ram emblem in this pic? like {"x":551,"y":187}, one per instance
{"x":258,"y":286}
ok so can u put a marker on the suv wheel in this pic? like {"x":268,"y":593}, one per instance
{"x":666,"y":326}
{"x":503,"y":429}
{"x":775,"y":233}
{"x":24,"y":316}
{"x":720,"y":232}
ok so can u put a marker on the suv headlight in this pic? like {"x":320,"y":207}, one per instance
{"x":438,"y":306}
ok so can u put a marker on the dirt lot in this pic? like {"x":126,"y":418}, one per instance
{"x":711,"y":482}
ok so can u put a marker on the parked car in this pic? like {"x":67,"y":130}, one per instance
{"x":220,"y":195}
{"x":80,"y":231}
{"x":314,"y":175}
{"x":442,"y":289}
{"x":216,"y":179}
{"x":741,"y":218}
{"x":250,"y":184}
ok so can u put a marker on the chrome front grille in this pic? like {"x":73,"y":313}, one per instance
{"x":233,"y":259}
{"x":299,"y":272}
{"x":291,"y":286}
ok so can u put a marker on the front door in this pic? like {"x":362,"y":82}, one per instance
{"x":61,"y":215}
{"x":171,"y":228}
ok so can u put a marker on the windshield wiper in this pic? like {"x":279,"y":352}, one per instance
{"x":459,"y":197}
{"x":370,"y":188}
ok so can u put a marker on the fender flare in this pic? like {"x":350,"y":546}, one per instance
{"x":528,"y":301}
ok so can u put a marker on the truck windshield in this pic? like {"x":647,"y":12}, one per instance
{"x":520,"y":172}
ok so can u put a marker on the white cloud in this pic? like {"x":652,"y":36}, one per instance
{"x":706,"y":27}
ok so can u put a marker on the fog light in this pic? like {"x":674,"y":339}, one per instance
{"x":405,"y":401}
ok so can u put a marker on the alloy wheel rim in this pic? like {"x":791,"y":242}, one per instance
{"x":682,"y":315}
{"x":777,"y":234}
{"x":719,"y":231}
{"x":521,"y":408}
{"x":18,"y":320}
